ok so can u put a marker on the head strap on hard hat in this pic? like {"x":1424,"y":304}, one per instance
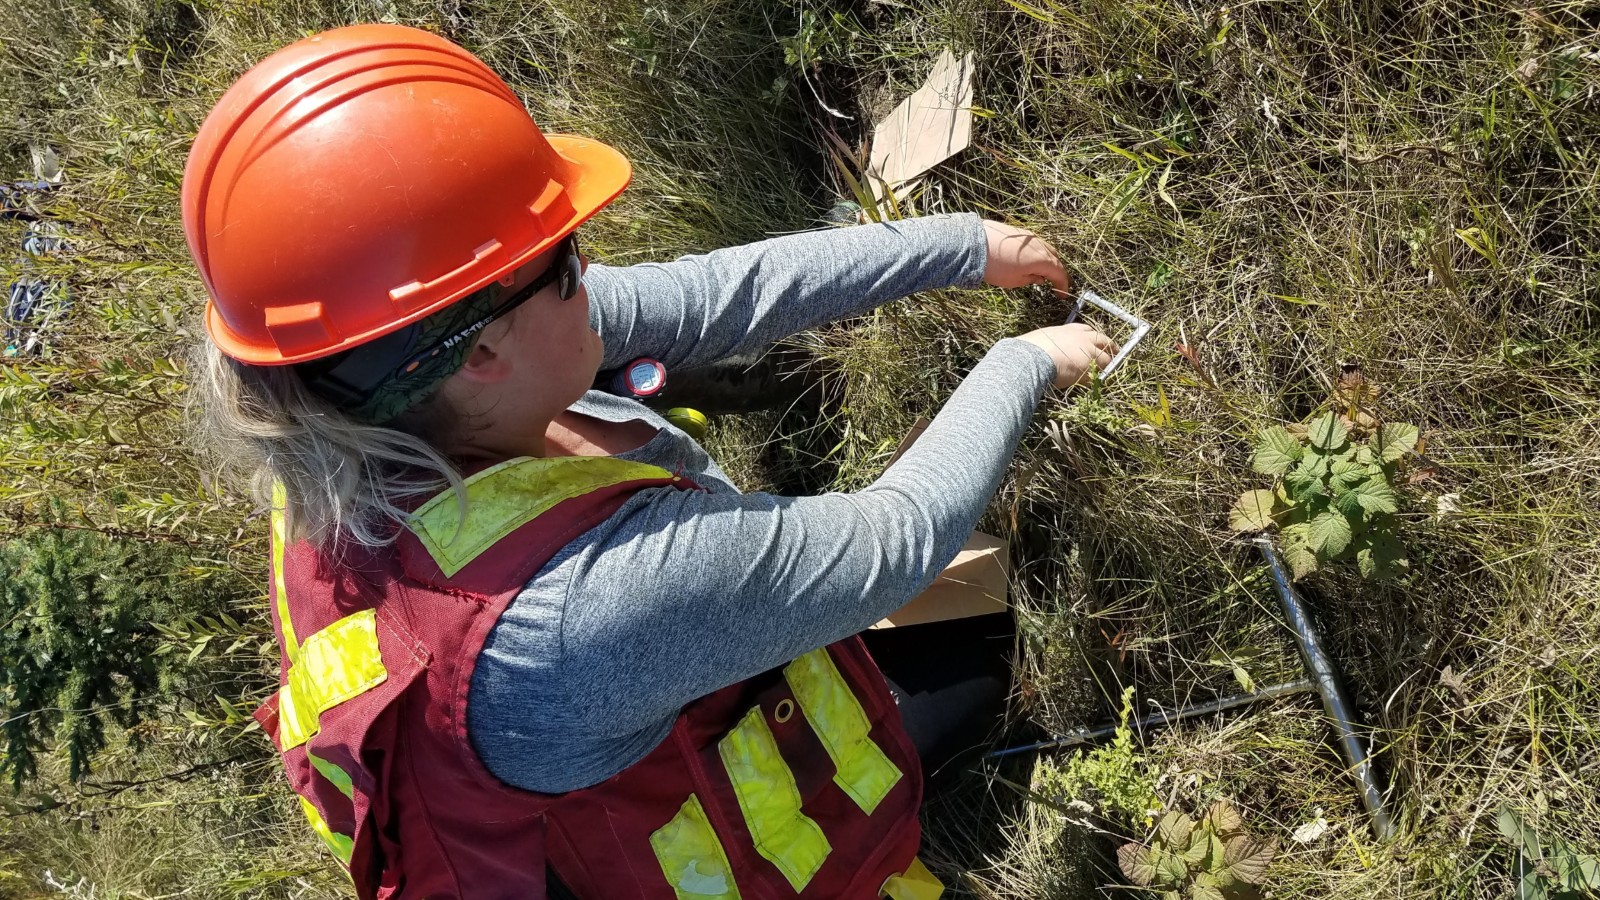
{"x":382,"y":378}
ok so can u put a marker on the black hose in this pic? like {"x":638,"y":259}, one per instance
{"x":1340,"y":712}
{"x":1159,"y":719}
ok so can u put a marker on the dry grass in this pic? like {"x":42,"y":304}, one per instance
{"x":1284,"y":187}
{"x":1405,"y":187}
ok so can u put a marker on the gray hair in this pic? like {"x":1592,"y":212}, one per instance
{"x":342,"y":478}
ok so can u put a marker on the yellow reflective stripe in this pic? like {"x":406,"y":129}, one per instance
{"x":863,"y":771}
{"x":335,"y":664}
{"x":505,"y":497}
{"x":280,"y":538}
{"x":770,"y":801}
{"x":691,"y":857}
{"x":915,"y":883}
{"x":341,"y":845}
{"x":339,"y":777}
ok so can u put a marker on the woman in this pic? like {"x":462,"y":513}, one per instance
{"x":526,"y":624}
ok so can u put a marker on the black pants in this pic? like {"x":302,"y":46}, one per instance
{"x":950,"y":681}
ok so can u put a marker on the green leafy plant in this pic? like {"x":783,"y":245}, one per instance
{"x":1334,"y":498}
{"x":1113,"y":776}
{"x":1213,"y":859}
{"x":1548,"y":868}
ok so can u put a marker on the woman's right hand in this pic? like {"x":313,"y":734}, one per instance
{"x":1074,"y":348}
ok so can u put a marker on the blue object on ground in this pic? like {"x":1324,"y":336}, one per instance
{"x":13,"y":198}
{"x":32,"y":306}
{"x":44,"y":238}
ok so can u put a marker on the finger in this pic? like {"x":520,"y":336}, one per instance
{"x":1055,"y":275}
{"x":1100,"y":352}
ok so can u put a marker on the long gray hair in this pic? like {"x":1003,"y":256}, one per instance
{"x":341,"y":477}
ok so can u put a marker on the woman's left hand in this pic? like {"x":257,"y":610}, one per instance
{"x":1018,"y":257}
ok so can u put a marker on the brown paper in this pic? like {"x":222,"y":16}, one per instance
{"x":927,"y":128}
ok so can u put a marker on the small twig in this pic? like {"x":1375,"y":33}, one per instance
{"x":112,"y":788}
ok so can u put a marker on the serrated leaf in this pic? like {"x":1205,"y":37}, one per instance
{"x":1330,"y":533}
{"x":1379,"y":555}
{"x":1275,"y":451}
{"x":1216,"y":856}
{"x":1345,"y":474}
{"x":1349,"y":504}
{"x":1248,"y":858}
{"x":1303,"y":483}
{"x":1301,"y":560}
{"x":1394,"y":440}
{"x":1199,"y":890}
{"x":1326,"y":433}
{"x":1364,"y":456}
{"x":1224,"y":819}
{"x":1175,"y":830}
{"x":1375,"y":496}
{"x":1254,"y":511}
{"x":1315,"y":463}
{"x":1199,"y":845}
{"x":1171,"y":870}
{"x":1134,"y":860}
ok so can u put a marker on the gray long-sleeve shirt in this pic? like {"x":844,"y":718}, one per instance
{"x":680,"y":593}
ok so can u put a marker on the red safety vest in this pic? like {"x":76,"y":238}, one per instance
{"x":797,"y":783}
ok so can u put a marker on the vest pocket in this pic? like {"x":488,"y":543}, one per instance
{"x":770,"y":801}
{"x":841,"y":724}
{"x":341,"y":696}
{"x":691,"y":857}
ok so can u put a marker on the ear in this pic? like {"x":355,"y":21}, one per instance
{"x":488,"y":362}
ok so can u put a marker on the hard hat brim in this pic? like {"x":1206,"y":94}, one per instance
{"x":597,"y":175}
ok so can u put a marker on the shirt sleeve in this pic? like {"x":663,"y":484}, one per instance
{"x":683,"y":592}
{"x":701,"y":309}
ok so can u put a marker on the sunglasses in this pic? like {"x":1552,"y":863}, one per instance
{"x":566,"y":273}
{"x":348,"y":379}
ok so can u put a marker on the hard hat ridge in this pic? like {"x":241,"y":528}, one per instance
{"x":359,"y":180}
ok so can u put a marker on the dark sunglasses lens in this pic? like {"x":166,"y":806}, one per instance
{"x":571,"y":277}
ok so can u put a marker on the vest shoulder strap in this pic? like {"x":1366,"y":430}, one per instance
{"x":518,"y":514}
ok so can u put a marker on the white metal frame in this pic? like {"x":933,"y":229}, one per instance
{"x":1140,"y":326}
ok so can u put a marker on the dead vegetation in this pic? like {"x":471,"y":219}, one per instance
{"x":1285,"y":189}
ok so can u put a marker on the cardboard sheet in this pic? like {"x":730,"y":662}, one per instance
{"x":927,"y":128}
{"x":974,"y":584}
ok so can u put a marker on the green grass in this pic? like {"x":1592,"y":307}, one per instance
{"x":1284,"y":187}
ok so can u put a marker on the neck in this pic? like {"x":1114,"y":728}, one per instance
{"x":494,"y":443}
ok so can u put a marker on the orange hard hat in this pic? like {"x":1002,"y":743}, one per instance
{"x":358,"y":180}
